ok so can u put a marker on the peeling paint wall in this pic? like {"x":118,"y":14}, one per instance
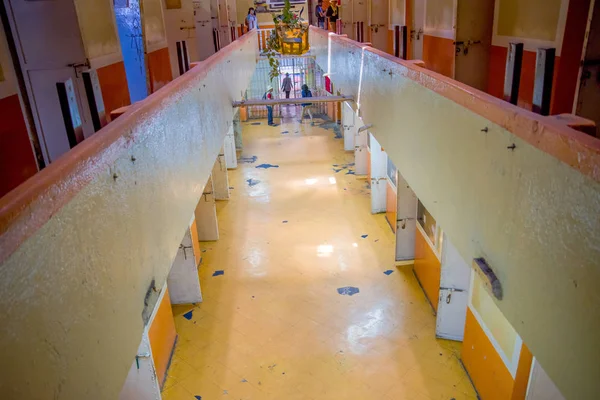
{"x":534,"y":218}
{"x":100,"y":225}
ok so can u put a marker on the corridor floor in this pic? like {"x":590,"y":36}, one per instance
{"x":274,"y":325}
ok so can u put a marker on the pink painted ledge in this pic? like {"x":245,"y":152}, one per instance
{"x":29,"y":206}
{"x":549,"y":134}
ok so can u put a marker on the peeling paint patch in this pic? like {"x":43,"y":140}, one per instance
{"x":188,"y":315}
{"x":388,"y":272}
{"x":348,"y":291}
{"x":248,"y":160}
{"x":252,"y":182}
{"x":364,"y":236}
{"x":219,"y":272}
{"x":266,"y":166}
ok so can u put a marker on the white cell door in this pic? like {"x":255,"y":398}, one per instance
{"x":360,"y":150}
{"x":378,"y":21}
{"x":50,"y":51}
{"x":406,"y":220}
{"x":418,"y":24}
{"x":348,"y":126}
{"x":206,"y":215}
{"x":454,"y":293}
{"x":378,"y":176}
{"x":204,"y":29}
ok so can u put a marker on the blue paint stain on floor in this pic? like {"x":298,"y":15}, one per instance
{"x":336,"y":165}
{"x":188,"y":315}
{"x":388,"y":272}
{"x":284,"y":222}
{"x":350,"y":173}
{"x":348,"y":291}
{"x":248,"y":160}
{"x":266,"y":166}
{"x":198,"y":397}
{"x":252,"y":182}
{"x":244,"y":381}
{"x":284,"y":132}
{"x":219,"y":272}
{"x":364,"y":236}
{"x":336,"y":170}
{"x":255,"y":123}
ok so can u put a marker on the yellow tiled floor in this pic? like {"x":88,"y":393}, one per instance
{"x":274,"y":326}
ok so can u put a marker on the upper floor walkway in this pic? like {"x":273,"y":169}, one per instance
{"x":83,"y":241}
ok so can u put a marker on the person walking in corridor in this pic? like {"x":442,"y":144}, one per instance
{"x":333,"y":14}
{"x":287,"y":85}
{"x":269,"y":96}
{"x":306,"y":107}
{"x":251,"y":21}
{"x":320,"y":14}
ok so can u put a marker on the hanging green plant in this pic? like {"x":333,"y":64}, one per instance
{"x":289,"y":37}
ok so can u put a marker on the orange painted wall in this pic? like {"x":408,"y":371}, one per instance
{"x":17,"y":162}
{"x":490,"y":376}
{"x":113,"y":83}
{"x":159,"y":69}
{"x":438,"y":55}
{"x":427,"y":269}
{"x":390,"y":42}
{"x":522,"y":376}
{"x":195,"y":242}
{"x":162,"y":336}
{"x":497,"y":69}
{"x":566,"y":67}
{"x":391,"y":206}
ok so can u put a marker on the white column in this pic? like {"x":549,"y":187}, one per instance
{"x":206,"y":215}
{"x":141,"y":382}
{"x":183,"y":281}
{"x":229,"y":149}
{"x":220,"y":179}
{"x":378,"y":176}
{"x":406,"y":221}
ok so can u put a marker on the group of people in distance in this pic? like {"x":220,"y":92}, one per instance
{"x":330,"y":15}
{"x":287,"y":85}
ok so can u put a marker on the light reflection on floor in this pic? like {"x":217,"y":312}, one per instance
{"x":274,"y":326}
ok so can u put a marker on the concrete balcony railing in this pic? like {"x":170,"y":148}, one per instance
{"x":519,"y":189}
{"x":82,"y":241}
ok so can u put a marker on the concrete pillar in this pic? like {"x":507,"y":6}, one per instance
{"x":406,"y":221}
{"x":220,"y":179}
{"x":237,"y":130}
{"x":206,"y":215}
{"x":229,"y":149}
{"x":183,"y":281}
{"x":141,"y":382}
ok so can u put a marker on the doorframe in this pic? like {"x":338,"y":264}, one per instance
{"x":22,"y":92}
{"x":583,"y":53}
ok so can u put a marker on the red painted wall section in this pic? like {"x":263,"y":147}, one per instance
{"x":113,"y":83}
{"x":17,"y":162}
{"x":438,"y":54}
{"x":567,"y":71}
{"x":566,"y":67}
{"x":159,"y":69}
